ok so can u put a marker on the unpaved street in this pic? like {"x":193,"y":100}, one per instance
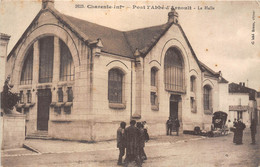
{"x":166,"y":151}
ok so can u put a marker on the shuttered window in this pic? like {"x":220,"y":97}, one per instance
{"x":67,"y":69}
{"x":27,"y":71}
{"x":46,"y":59}
{"x":173,"y":71}
{"x":115,"y":85}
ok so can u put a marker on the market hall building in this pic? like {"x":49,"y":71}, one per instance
{"x":78,"y":80}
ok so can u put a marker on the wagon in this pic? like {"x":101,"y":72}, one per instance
{"x":218,"y":122}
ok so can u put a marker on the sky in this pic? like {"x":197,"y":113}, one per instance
{"x":221,"y":37}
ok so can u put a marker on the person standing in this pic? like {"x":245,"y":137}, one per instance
{"x":169,"y":125}
{"x":239,"y":132}
{"x":177,"y":126}
{"x":145,"y":127}
{"x":121,"y":142}
{"x":235,"y":127}
{"x":132,"y":146}
{"x":229,"y":126}
{"x":253,"y":130}
{"x":142,"y":154}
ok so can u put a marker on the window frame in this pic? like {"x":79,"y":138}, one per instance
{"x":174,"y":73}
{"x":207,"y":99}
{"x":113,"y":85}
{"x":27,"y":69}
{"x":67,"y":68}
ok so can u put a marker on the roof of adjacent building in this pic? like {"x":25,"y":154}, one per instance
{"x":240,"y":88}
{"x":258,"y":94}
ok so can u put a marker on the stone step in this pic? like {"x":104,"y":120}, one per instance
{"x":38,"y":135}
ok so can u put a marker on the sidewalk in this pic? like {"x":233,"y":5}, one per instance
{"x":59,"y":146}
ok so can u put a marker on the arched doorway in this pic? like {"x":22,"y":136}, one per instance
{"x":48,"y":71}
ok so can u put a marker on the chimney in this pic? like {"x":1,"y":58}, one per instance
{"x":47,"y":3}
{"x":240,"y":84}
{"x":243,"y":84}
{"x":4,"y":39}
{"x":173,"y":16}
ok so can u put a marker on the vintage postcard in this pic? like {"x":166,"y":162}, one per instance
{"x":130,"y":83}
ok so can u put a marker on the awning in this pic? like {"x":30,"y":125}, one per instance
{"x":238,"y":108}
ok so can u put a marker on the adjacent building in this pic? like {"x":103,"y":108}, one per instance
{"x":78,"y":80}
{"x":242,"y":103}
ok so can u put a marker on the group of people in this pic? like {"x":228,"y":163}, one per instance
{"x":132,"y":141}
{"x":172,"y":124}
{"x":238,"y":127}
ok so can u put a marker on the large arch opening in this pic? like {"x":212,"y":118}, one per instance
{"x":174,"y":78}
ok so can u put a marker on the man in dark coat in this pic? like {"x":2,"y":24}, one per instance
{"x":132,"y":144}
{"x":234,"y":125}
{"x":177,"y":126}
{"x":121,"y":142}
{"x":239,"y":132}
{"x":142,"y":154}
{"x":169,"y":125}
{"x":253,"y":130}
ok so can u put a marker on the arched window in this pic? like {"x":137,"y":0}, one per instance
{"x":46,"y":59}
{"x":173,"y":70}
{"x":27,"y":72}
{"x":154,"y":89}
{"x":153,"y":76}
{"x":193,"y":94}
{"x":207,"y":98}
{"x":115,"y":85}
{"x":67,"y":69}
{"x":192,"y":84}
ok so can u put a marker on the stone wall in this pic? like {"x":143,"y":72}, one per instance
{"x":13,"y":131}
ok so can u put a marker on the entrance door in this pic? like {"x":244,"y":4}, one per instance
{"x":173,"y":109}
{"x":44,"y":101}
{"x":174,"y":101}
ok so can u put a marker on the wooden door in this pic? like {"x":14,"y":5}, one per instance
{"x":44,"y":101}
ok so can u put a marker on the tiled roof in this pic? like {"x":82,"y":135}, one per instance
{"x":114,"y":41}
{"x":144,"y":39}
{"x":237,"y":88}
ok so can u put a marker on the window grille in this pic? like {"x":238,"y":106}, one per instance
{"x":207,"y":97}
{"x":27,"y":70}
{"x":29,"y":96}
{"x":70,"y":94}
{"x":60,"y":95}
{"x":173,"y":70}
{"x":67,"y":110}
{"x":153,"y":98}
{"x":21,"y":97}
{"x":67,"y":69}
{"x":46,"y":59}
{"x":115,"y":84}
{"x":57,"y":110}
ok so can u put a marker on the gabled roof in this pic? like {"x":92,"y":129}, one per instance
{"x":209,"y":70}
{"x":213,"y":73}
{"x":114,"y":41}
{"x":239,"y":88}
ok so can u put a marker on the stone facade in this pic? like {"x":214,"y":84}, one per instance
{"x":92,"y":116}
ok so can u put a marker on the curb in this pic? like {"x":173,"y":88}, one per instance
{"x":31,"y":148}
